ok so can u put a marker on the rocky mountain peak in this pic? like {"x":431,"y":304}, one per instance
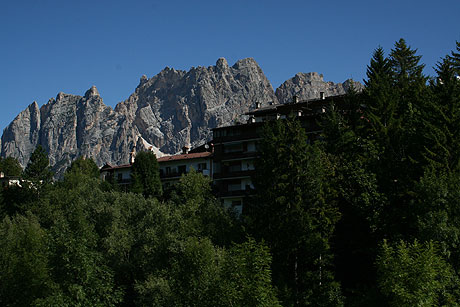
{"x":310,"y":85}
{"x":222,"y":64}
{"x":171,"y":109}
{"x":92,"y":92}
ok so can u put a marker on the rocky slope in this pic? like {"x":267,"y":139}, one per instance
{"x":170,"y":110}
{"x":309,"y":85}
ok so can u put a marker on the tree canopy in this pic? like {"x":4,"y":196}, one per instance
{"x":145,"y":175}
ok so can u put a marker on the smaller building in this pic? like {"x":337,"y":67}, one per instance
{"x":171,"y":168}
{"x":120,"y":174}
{"x":8,"y":181}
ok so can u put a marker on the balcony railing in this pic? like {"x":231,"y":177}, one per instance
{"x":225,"y":175}
{"x":234,"y":155}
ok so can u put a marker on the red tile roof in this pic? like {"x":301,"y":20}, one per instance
{"x":164,"y":159}
{"x":185,"y":156}
{"x":108,"y":166}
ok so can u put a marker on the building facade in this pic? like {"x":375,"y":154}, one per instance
{"x":229,"y":160}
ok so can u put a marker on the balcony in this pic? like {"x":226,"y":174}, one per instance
{"x":237,"y":193}
{"x":229,"y":175}
{"x":176,"y":174}
{"x":234,"y":155}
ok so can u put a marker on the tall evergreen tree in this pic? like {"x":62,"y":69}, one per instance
{"x":294,"y":213}
{"x":38,"y":170}
{"x":379,"y":94}
{"x":442,"y":132}
{"x":146,"y":175}
{"x":456,"y":59}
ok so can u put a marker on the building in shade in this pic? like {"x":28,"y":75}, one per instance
{"x":171,"y":167}
{"x":229,"y":160}
{"x":236,"y":150}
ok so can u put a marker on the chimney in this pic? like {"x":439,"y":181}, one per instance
{"x":258,"y":105}
{"x":185,"y":149}
{"x":295,"y":99}
{"x":322,"y":96}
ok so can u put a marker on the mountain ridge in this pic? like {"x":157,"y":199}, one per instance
{"x":167,"y":111}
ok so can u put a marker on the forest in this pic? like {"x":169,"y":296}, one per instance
{"x":365,"y":214}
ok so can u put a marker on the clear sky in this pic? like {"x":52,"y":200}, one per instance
{"x":49,"y":46}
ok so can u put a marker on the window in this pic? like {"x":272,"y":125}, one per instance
{"x":234,"y":185}
{"x":202,"y":166}
{"x":234,"y":166}
{"x":120,"y":177}
{"x":182,"y":169}
{"x":220,"y":133}
{"x":168,"y":170}
{"x":236,"y":203}
{"x":233,"y":148}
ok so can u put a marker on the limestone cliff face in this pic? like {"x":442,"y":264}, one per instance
{"x":175,"y":108}
{"x":309,"y":85}
{"x":67,"y":127}
{"x":170,"y":110}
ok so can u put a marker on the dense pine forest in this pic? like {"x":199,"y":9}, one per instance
{"x":365,"y":214}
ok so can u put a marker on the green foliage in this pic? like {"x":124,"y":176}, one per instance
{"x":38,"y":170}
{"x":455,"y":57}
{"x":293,"y":197}
{"x":10,"y":166}
{"x":84,"y":166}
{"x":24,"y":262}
{"x":415,"y":275}
{"x":405,"y":65}
{"x":438,"y":212}
{"x":442,"y":132}
{"x":78,"y":266}
{"x":146,"y":175}
{"x":247,"y":276}
{"x":193,"y":197}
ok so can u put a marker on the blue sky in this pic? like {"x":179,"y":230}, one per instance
{"x":52,"y":46}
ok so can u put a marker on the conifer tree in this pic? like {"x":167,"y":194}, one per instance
{"x":38,"y":170}
{"x":146,"y":175}
{"x":442,"y":149}
{"x":379,"y":94}
{"x":456,"y":59}
{"x":294,"y":213}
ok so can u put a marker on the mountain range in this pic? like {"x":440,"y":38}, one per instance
{"x":172,"y":109}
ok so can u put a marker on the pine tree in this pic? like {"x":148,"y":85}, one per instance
{"x":295,"y":214}
{"x":442,"y":132}
{"x":456,"y":59}
{"x":379,"y":93}
{"x":38,"y":169}
{"x":146,"y":175}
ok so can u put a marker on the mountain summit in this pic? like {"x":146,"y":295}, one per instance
{"x":172,"y":109}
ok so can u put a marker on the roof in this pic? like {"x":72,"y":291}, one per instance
{"x":197,"y":155}
{"x":108,"y":166}
{"x":185,"y":156}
